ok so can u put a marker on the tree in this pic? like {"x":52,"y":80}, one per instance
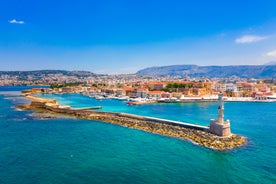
{"x":170,"y":85}
{"x":190,"y":85}
{"x":175,"y":85}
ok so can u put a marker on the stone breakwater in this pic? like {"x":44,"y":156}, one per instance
{"x":203,"y":138}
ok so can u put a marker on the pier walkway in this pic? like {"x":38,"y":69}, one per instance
{"x":166,"y":121}
{"x":87,"y":108}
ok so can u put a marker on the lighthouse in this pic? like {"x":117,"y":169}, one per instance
{"x":220,"y":109}
{"x":219,"y":126}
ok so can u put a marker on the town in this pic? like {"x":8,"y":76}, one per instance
{"x":147,"y":89}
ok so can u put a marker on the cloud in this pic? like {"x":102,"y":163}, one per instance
{"x":13,"y":21}
{"x":250,"y":39}
{"x":271,"y":53}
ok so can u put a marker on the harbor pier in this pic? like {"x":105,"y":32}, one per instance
{"x":201,"y":135}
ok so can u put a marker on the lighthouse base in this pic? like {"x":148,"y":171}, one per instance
{"x":220,"y":129}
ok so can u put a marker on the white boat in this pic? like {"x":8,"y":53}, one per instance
{"x":123,"y":98}
{"x":99,"y":97}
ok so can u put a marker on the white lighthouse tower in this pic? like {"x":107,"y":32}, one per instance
{"x":219,"y":126}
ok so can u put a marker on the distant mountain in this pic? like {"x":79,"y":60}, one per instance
{"x":23,"y":75}
{"x":243,"y":71}
{"x":271,"y":63}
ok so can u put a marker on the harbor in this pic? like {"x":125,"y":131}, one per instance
{"x":139,"y":92}
{"x":83,"y":143}
{"x":181,"y":99}
{"x":215,"y":138}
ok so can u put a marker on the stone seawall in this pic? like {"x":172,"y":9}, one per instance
{"x":197,"y":134}
{"x":87,"y":113}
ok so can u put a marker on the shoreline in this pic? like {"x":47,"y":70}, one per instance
{"x":199,"y":136}
{"x":200,"y":99}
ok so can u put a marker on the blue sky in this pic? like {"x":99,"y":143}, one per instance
{"x":123,"y":36}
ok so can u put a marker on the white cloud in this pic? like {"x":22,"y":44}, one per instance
{"x":250,"y":39}
{"x":13,"y":21}
{"x":271,"y":53}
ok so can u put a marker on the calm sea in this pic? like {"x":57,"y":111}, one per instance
{"x":80,"y":151}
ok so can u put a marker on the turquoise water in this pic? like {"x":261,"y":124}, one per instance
{"x":82,"y":151}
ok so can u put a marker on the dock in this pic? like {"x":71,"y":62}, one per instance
{"x":88,"y":108}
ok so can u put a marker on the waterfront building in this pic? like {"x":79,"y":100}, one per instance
{"x":156,"y":85}
{"x":176,"y":95}
{"x":141,"y":93}
{"x":166,"y":95}
{"x":155,"y":94}
{"x":199,"y":91}
{"x":119,"y":92}
{"x":127,"y":91}
{"x":230,"y":87}
{"x":67,"y":89}
{"x":245,"y":87}
{"x":36,"y":90}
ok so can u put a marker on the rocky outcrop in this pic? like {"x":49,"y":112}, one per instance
{"x":199,"y":137}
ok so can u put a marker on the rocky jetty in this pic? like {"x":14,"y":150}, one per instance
{"x":203,"y":138}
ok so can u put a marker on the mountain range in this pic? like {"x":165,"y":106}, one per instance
{"x":39,"y":74}
{"x":243,"y":71}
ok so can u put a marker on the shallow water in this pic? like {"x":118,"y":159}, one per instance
{"x":82,"y":151}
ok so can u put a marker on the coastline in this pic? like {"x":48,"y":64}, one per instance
{"x":191,"y":99}
{"x":214,"y":99}
{"x":199,"y":136}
